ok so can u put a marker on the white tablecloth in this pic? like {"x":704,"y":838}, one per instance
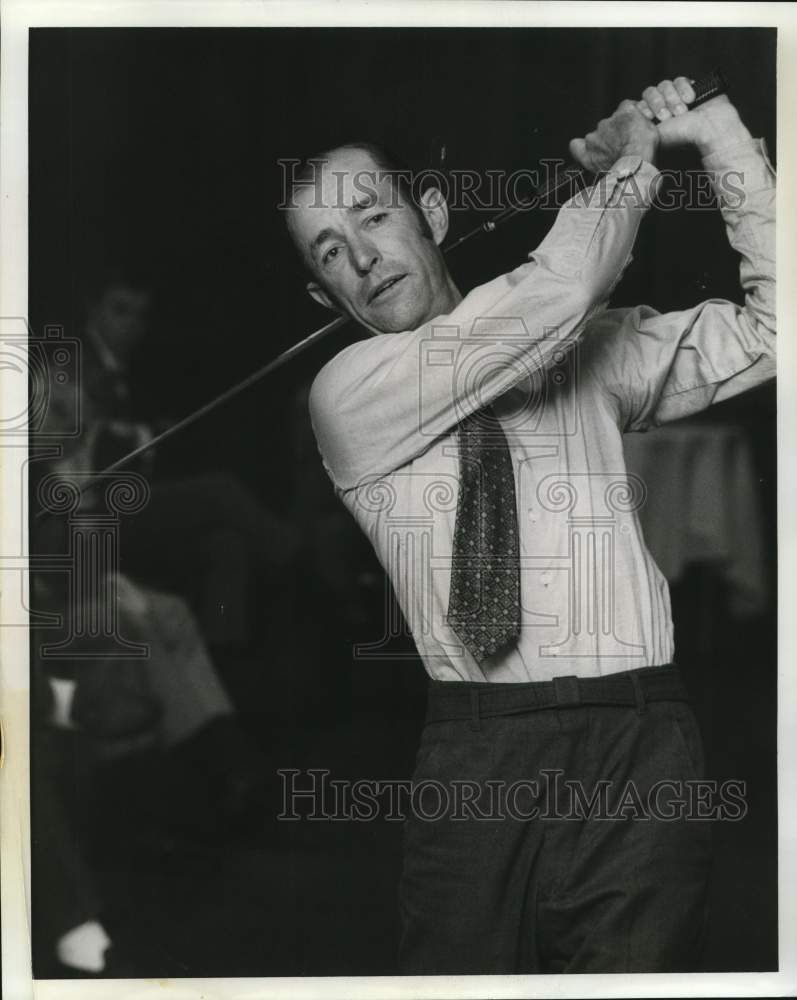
{"x":702,"y":506}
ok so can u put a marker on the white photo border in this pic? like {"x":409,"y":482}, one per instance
{"x":20,"y":15}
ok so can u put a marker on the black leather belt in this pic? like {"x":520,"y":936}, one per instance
{"x":449,"y":700}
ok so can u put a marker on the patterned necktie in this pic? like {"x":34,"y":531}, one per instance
{"x":484,"y":603}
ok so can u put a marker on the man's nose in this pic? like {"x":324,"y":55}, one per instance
{"x":365,"y":256}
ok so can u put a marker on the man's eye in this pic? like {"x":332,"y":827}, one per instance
{"x":330,"y":255}
{"x":377,"y":218}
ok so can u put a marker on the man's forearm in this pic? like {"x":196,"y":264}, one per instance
{"x":744,"y":181}
{"x":722,"y":130}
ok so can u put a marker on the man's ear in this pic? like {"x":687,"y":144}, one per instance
{"x":435,"y":211}
{"x":318,"y":293}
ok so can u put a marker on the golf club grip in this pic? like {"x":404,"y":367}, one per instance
{"x":708,"y":86}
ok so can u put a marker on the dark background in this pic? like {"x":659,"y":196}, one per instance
{"x":161,"y":146}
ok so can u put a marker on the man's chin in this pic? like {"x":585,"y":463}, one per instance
{"x":399,"y":318}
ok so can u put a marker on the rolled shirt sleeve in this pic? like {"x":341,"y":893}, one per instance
{"x":660,"y":367}
{"x":380,"y":403}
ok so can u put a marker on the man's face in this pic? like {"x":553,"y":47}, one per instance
{"x":367,"y":249}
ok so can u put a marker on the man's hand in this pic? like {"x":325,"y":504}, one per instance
{"x":709,"y":127}
{"x":665,"y":111}
{"x":627,"y":133}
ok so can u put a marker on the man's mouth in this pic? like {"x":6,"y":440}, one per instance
{"x":385,"y":286}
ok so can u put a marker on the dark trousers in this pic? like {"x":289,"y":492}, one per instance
{"x":561,"y":890}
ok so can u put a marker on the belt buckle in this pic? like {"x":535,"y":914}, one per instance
{"x":566,"y":690}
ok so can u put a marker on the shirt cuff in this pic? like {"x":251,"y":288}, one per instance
{"x":635,"y":177}
{"x":746,"y":164}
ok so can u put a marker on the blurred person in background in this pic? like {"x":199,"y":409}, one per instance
{"x":203,"y":535}
{"x":151,"y":751}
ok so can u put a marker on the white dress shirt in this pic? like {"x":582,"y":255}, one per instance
{"x":566,"y":377}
